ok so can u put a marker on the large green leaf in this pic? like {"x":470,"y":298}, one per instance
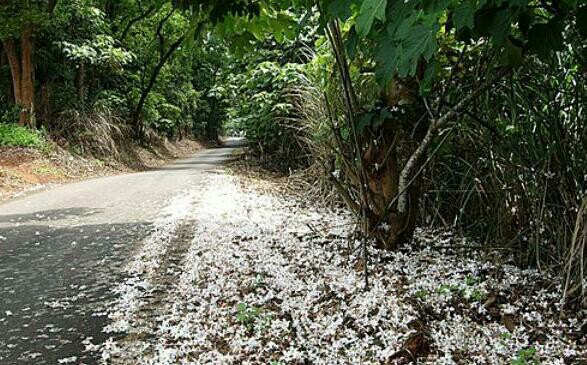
{"x":464,"y":15}
{"x":420,"y":42}
{"x":341,"y":9}
{"x":429,"y":74}
{"x":434,"y":6}
{"x":352,"y":43}
{"x":370,"y":10}
{"x":401,"y":54}
{"x":582,"y":20}
{"x":511,"y":54}
{"x":499,"y":26}
{"x":545,"y":38}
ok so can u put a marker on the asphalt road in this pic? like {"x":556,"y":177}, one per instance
{"x":62,"y":250}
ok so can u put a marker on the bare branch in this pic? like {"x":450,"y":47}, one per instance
{"x":433,"y":129}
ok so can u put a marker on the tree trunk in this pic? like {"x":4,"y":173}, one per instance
{"x":136,"y":116}
{"x":44,"y":105}
{"x":14,"y":63}
{"x":212,"y":124}
{"x":80,"y":80}
{"x":383,"y":174}
{"x":27,"y":78}
{"x":22,"y":72}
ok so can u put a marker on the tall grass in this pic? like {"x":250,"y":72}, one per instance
{"x":515,"y":172}
{"x":99,"y":132}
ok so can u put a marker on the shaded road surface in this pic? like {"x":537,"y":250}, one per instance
{"x":62,"y":250}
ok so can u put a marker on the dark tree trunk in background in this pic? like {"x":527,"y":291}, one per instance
{"x":27,"y":81}
{"x":136,"y":116}
{"x":80,"y":81}
{"x":13,"y":57}
{"x":164,"y":56}
{"x":44,"y":105}
{"x":22,"y":73}
{"x":212,"y":125}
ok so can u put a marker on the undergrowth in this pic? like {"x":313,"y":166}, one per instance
{"x":12,"y":135}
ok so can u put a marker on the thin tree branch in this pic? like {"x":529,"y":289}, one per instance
{"x":435,"y":126}
{"x":133,"y":21}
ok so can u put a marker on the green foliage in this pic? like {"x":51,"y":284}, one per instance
{"x":447,"y":288}
{"x":526,"y":357}
{"x":471,"y":280}
{"x":101,"y":50}
{"x":505,"y":336}
{"x":422,"y":294}
{"x":15,"y":14}
{"x":9,"y":115}
{"x":12,"y":135}
{"x":528,"y":126}
{"x":477,"y":296}
{"x":370,"y":10}
{"x":260,"y":108}
{"x":466,"y":291}
{"x":403,"y":34}
{"x":252,"y":317}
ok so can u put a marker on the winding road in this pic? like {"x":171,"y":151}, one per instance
{"x":62,"y":250}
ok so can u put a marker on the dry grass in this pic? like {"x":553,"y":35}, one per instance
{"x":98,"y":134}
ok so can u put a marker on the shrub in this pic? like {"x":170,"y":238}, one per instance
{"x":261,"y":109}
{"x":12,"y":135}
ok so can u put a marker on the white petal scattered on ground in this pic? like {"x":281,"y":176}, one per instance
{"x":146,"y":262}
{"x":266,"y":281}
{"x":67,"y":360}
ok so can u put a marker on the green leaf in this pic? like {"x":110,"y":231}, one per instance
{"x":543,"y":39}
{"x":370,"y":10}
{"x":364,"y":121}
{"x":499,"y":26}
{"x":352,"y":42}
{"x":421,"y":42}
{"x":341,"y":9}
{"x":386,"y":56}
{"x":511,"y":54}
{"x":403,"y":13}
{"x":464,"y":16}
{"x":400,"y":54}
{"x":434,"y":6}
{"x":582,"y":20}
{"x":429,"y":75}
{"x":570,"y":3}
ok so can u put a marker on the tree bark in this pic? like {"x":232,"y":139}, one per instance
{"x":14,"y":63}
{"x":22,"y":72}
{"x":80,"y":79}
{"x":27,"y":77}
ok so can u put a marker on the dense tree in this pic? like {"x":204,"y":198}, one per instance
{"x":21,"y":22}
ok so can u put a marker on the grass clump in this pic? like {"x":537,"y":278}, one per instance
{"x":251,"y":317}
{"x":12,"y":135}
{"x":526,"y":357}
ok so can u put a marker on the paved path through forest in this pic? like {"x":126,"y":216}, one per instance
{"x":61,"y":251}
{"x":190,"y":264}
